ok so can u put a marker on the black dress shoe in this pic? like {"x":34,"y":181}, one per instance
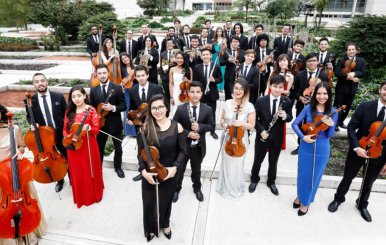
{"x":333,"y":206}
{"x":295,"y":152}
{"x":59,"y":185}
{"x":175,"y":196}
{"x":296,"y":205}
{"x":199,"y":196}
{"x":342,"y":125}
{"x":214,"y":135}
{"x":337,"y":129}
{"x":301,"y":213}
{"x":120,"y":172}
{"x":365,"y":214}
{"x":252,"y":187}
{"x":138,"y":177}
{"x":274,"y":189}
{"x":168,"y":235}
{"x":149,"y":237}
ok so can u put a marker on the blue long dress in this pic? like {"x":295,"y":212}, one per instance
{"x":306,"y":193}
{"x":216,"y":50}
{"x":129,"y":130}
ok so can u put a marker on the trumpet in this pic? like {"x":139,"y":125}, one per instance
{"x":192,"y":51}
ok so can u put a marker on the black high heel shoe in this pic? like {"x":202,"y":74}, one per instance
{"x":296,"y":205}
{"x":149,"y":237}
{"x":168,"y":234}
{"x":301,"y":213}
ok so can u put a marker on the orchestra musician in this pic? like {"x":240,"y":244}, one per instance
{"x":129,"y":45}
{"x":229,"y":32}
{"x":243,"y":40}
{"x":92,"y":41}
{"x":251,"y":74}
{"x":218,"y":47}
{"x":177,"y":27}
{"x":296,"y":55}
{"x":282,"y":42}
{"x":209,"y":27}
{"x":167,"y":61}
{"x":171,"y":35}
{"x":259,"y":29}
{"x":149,"y":57}
{"x":194,"y":52}
{"x":205,"y":41}
{"x":262,"y":51}
{"x":141,"y":39}
{"x":185,"y":38}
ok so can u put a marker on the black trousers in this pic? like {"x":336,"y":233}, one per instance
{"x":352,"y":166}
{"x":228,"y":88}
{"x":343,"y":99}
{"x":195,"y":158}
{"x":299,"y":109}
{"x":102,"y":139}
{"x":165,"y":85}
{"x":213,"y":104}
{"x":263,"y":83}
{"x":261,"y":149}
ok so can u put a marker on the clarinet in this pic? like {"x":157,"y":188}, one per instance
{"x":275,"y":117}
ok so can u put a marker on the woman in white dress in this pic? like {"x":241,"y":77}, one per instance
{"x":178,"y":74}
{"x":231,"y":180}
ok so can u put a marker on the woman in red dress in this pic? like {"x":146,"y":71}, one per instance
{"x":282,"y":67}
{"x":86,"y":181}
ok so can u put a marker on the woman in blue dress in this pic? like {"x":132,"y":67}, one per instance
{"x":321,"y":104}
{"x":127,"y":70}
{"x":219,"y":41}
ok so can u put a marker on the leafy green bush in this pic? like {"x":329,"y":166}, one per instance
{"x":200,"y":20}
{"x":137,"y":23}
{"x":320,"y":32}
{"x":20,"y":40}
{"x":51,"y":42}
{"x":155,"y":25}
{"x":166,"y":19}
{"x":17,"y":47}
{"x":20,"y":119}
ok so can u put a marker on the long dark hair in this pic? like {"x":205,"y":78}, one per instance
{"x":314,"y":102}
{"x":71,"y":107}
{"x":152,"y":126}
{"x":215,"y":34}
{"x":123,"y":66}
{"x":276,"y":68}
{"x":3,"y":113}
{"x":105,"y":51}
{"x":185,"y":65}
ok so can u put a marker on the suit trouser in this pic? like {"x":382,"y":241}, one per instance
{"x":261,"y":149}
{"x":102,"y":139}
{"x":343,"y":99}
{"x":228,"y":88}
{"x":299,"y":109}
{"x":352,"y":166}
{"x":213,"y":104}
{"x":165,"y":85}
{"x":195,"y":157}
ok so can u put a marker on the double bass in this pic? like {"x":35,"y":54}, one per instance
{"x":74,"y":140}
{"x":49,"y":165}
{"x":115,"y":76}
{"x":234,"y":146}
{"x":96,"y":60}
{"x":19,"y":212}
{"x":184,"y":87}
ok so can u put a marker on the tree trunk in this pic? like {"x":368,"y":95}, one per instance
{"x":305,"y":20}
{"x":174,"y":8}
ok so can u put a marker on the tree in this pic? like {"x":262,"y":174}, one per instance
{"x":245,"y":4}
{"x":149,"y":6}
{"x":320,"y":5}
{"x":13,"y":12}
{"x":107,"y":20}
{"x":285,"y":9}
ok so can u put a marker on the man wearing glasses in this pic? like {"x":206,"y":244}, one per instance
{"x":129,"y":45}
{"x":93,"y":41}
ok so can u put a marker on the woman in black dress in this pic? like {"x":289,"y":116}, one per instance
{"x":168,"y":137}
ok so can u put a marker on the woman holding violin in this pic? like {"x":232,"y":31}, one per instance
{"x":219,"y":47}
{"x":128,"y":74}
{"x":314,"y":150}
{"x":180,"y":76}
{"x":168,"y":149}
{"x":237,"y":115}
{"x":5,"y":153}
{"x":109,"y":56}
{"x":81,"y":125}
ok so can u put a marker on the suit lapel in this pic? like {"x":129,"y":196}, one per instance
{"x":35,"y":99}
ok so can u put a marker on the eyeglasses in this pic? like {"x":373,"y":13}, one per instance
{"x":238,"y":89}
{"x":159,"y":108}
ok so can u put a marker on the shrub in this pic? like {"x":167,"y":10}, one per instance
{"x":166,"y":19}
{"x":20,"y":40}
{"x":17,"y":47}
{"x":155,"y":25}
{"x":51,"y":43}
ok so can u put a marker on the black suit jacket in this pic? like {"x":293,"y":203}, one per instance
{"x":258,"y":59}
{"x":176,"y":41}
{"x":282,"y":48}
{"x":183,"y":41}
{"x":135,"y":99}
{"x":343,"y":85}
{"x":141,"y":44}
{"x":264,"y":117}
{"x":205,"y":122}
{"x":113,"y":119}
{"x":59,"y":108}
{"x":134,"y":48}
{"x":92,"y":46}
{"x":198,"y":75}
{"x":164,"y":75}
{"x":326,"y":58}
{"x":243,"y":42}
{"x":152,"y":64}
{"x":208,"y":41}
{"x":228,"y":34}
{"x":253,"y":81}
{"x":230,"y":68}
{"x":252,"y":43}
{"x":196,"y":60}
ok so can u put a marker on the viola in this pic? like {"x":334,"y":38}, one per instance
{"x":115,"y":65}
{"x":184,"y":87}
{"x":372,"y":143}
{"x":96,"y":60}
{"x":309,"y":91}
{"x":19,"y":212}
{"x":313,"y":128}
{"x":349,"y":66}
{"x":235,"y":147}
{"x":150,"y":155}
{"x":74,"y":140}
{"x":139,"y":115}
{"x":49,"y":165}
{"x":102,"y":113}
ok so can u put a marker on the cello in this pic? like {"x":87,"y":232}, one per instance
{"x":102,"y":113}
{"x":235,"y":147}
{"x":96,"y":60}
{"x":49,"y":165}
{"x":74,"y":140}
{"x":19,"y":212}
{"x":115,"y":66}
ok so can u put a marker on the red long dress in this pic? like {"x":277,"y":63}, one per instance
{"x":284,"y":145}
{"x":85,"y":189}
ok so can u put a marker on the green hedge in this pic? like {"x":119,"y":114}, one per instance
{"x":20,"y":40}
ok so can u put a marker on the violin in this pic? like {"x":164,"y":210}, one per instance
{"x":102,"y":113}
{"x":130,"y":80}
{"x":74,"y":140}
{"x":235,"y":147}
{"x":262,"y":64}
{"x":96,"y":60}
{"x":49,"y":165}
{"x":349,"y":66}
{"x":372,"y":143}
{"x":330,"y":74}
{"x":296,"y":66}
{"x":184,"y":87}
{"x":150,"y":155}
{"x":313,"y":128}
{"x":19,"y":212}
{"x":115,"y":65}
{"x":139,"y":115}
{"x":308,"y":92}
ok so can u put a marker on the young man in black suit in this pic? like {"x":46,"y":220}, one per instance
{"x":243,"y":40}
{"x":324,"y":54}
{"x":129,"y":45}
{"x":228,"y":32}
{"x":185,"y":39}
{"x":232,"y":59}
{"x":194,"y":57}
{"x":209,"y":75}
{"x":282,"y":43}
{"x":152,"y":56}
{"x":253,"y":44}
{"x":302,"y":83}
{"x":211,"y":32}
{"x":251,"y":74}
{"x":114,"y":106}
{"x":166,"y":60}
{"x":49,"y":109}
{"x":268,"y":137}
{"x":205,"y":41}
{"x":92,"y":41}
{"x":263,"y":51}
{"x":171,"y":35}
{"x":347,"y":84}
{"x":296,"y":55}
{"x":359,"y":126}
{"x":200,"y":122}
{"x":141,"y":44}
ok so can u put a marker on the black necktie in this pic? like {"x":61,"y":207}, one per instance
{"x":245,"y":71}
{"x":234,"y":54}
{"x":310,"y":75}
{"x":206,"y":72}
{"x":204,"y":41}
{"x":104,"y":91}
{"x":96,"y":39}
{"x":381,"y":114}
{"x":194,"y":113}
{"x":321,"y":58}
{"x":143,"y":96}
{"x":187,"y":41}
{"x":274,"y":107}
{"x":262,"y":54}
{"x":129,"y":50}
{"x":47,"y":112}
